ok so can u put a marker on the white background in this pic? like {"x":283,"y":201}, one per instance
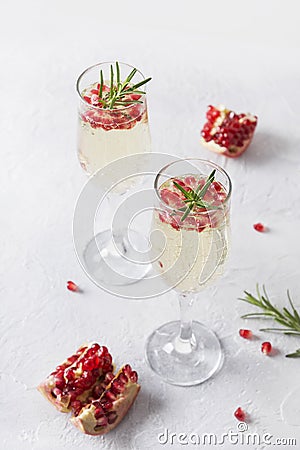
{"x":242,"y":54}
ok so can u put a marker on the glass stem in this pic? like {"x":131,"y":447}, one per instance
{"x":117,"y":245}
{"x":185,"y":341}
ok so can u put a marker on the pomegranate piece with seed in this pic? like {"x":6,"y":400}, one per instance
{"x":240,"y":414}
{"x":104,"y":415}
{"x":85,"y":385}
{"x":72,"y":286}
{"x":246,"y":334}
{"x":259,"y":227}
{"x":266,"y":348}
{"x":77,"y":377}
{"x":226,"y":132}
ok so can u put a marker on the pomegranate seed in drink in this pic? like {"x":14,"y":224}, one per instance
{"x":246,"y":334}
{"x":259,"y":227}
{"x":266,"y":348}
{"x":239,"y":414}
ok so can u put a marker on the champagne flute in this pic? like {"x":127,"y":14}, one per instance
{"x":189,"y":246}
{"x":112,"y":124}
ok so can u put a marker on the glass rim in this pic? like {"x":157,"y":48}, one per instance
{"x":202,"y":160}
{"x":98,"y":65}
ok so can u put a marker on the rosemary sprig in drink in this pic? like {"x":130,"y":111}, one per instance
{"x":116,"y":96}
{"x":195,"y":198}
{"x":290,"y":320}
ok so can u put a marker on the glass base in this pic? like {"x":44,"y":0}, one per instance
{"x":184,"y":363}
{"x":111,"y":261}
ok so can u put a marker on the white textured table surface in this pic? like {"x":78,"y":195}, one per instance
{"x":249,"y":66}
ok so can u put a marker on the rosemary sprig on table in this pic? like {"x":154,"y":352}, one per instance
{"x":118,"y":89}
{"x":195,"y":198}
{"x":290,"y":320}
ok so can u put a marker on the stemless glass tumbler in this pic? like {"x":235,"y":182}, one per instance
{"x":112,"y":124}
{"x":189,"y":245}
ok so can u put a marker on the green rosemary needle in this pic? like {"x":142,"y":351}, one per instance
{"x":289,"y":319}
{"x":118,"y":90}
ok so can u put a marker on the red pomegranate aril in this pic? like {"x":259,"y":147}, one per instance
{"x":109,"y":395}
{"x":102,"y":352}
{"x":94,"y":348}
{"x":60,"y":384}
{"x":117,"y":386}
{"x":70,"y":375}
{"x":72,"y":286}
{"x":96,"y":361}
{"x":73,"y":395}
{"x":61,"y":368}
{"x":134,"y":376}
{"x":109,"y":377}
{"x":259,"y":227}
{"x":97,"y":404}
{"x":127,"y":370}
{"x":180,"y":182}
{"x":107,"y":405}
{"x":97,"y":391}
{"x":87,"y":99}
{"x":266,"y":348}
{"x":76,"y":404}
{"x":57,"y":392}
{"x":59,"y":375}
{"x":246,"y":334}
{"x":73,"y":358}
{"x":171,"y":198}
{"x":239,"y":414}
{"x":102,"y":421}
{"x":111,"y":417}
{"x":98,"y":413}
{"x":88,"y":364}
{"x":135,"y":96}
{"x":106,"y":362}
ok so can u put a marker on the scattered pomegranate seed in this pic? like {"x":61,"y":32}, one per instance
{"x":239,"y":414}
{"x":266,"y":348}
{"x":160,"y":264}
{"x":246,"y":334}
{"x":259,"y":227}
{"x":72,"y":286}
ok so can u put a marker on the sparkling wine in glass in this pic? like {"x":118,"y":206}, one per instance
{"x":112,"y":124}
{"x":190,"y":239}
{"x":111,"y":128}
